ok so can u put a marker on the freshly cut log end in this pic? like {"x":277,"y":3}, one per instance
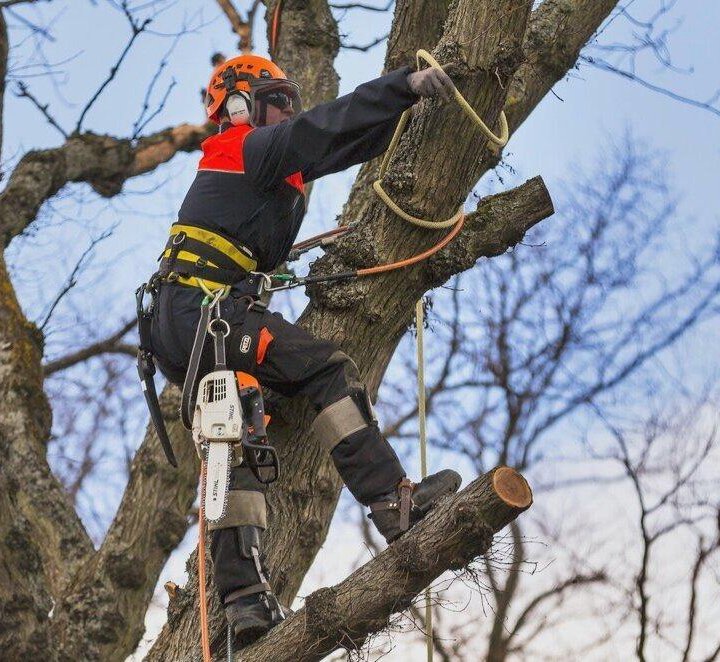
{"x":512,"y":488}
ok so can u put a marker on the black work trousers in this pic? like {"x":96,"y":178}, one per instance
{"x":287,"y":359}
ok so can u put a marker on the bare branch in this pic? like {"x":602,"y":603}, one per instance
{"x":361,"y":5}
{"x":111,"y":344}
{"x":708,"y":105}
{"x":23,"y":91}
{"x":136,"y":29}
{"x":10,"y":3}
{"x":365,"y":47}
{"x":72,"y":278}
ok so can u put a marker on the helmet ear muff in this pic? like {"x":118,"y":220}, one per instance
{"x":237,"y":107}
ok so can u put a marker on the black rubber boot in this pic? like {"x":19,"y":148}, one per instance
{"x":251,"y":616}
{"x":396,"y":512}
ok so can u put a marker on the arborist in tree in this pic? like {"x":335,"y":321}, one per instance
{"x":241,"y":215}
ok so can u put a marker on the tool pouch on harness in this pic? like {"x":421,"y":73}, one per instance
{"x":146,"y":366}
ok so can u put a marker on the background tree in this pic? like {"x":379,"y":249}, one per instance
{"x":540,"y":338}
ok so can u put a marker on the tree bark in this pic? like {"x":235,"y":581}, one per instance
{"x":455,"y":533}
{"x":557,"y":31}
{"x":307,"y":44}
{"x":409,"y":33}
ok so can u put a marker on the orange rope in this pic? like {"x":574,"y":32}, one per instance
{"x":204,"y":634}
{"x":420,"y":256}
{"x":275,"y":30}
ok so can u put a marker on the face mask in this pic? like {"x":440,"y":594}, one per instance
{"x":238,"y":108}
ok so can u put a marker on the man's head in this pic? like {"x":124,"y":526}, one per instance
{"x":249,"y":89}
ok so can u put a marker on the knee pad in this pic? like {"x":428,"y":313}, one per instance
{"x":343,"y":418}
{"x":246,"y":502}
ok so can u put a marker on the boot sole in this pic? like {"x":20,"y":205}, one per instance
{"x":250,"y":635}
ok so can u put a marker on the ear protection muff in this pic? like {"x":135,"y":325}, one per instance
{"x":238,"y":108}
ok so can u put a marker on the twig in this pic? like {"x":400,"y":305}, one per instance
{"x":366,"y":47}
{"x":72,"y":279}
{"x":111,"y":344}
{"x":10,"y":3}
{"x":141,"y":121}
{"x":361,"y":5}
{"x":603,"y":65}
{"x":23,"y":91}
{"x":137,"y":29}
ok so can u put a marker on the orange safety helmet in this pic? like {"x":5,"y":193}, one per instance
{"x":261,"y":81}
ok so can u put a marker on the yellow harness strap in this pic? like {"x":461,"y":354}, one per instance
{"x":237,"y":254}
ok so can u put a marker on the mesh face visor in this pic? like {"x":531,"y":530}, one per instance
{"x":280,"y":94}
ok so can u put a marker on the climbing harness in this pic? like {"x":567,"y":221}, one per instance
{"x":193,"y":254}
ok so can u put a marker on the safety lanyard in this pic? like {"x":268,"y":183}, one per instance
{"x":210,"y":304}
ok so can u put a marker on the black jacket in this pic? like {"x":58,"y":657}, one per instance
{"x":249,"y":186}
{"x":249,"y":183}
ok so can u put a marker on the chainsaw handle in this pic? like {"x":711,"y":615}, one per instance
{"x":261,"y":457}
{"x":254,"y":410}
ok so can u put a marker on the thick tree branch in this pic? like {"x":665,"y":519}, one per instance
{"x":458,"y":531}
{"x":557,"y":31}
{"x":104,"y":162}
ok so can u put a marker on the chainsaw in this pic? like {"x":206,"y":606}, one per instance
{"x":228,"y":429}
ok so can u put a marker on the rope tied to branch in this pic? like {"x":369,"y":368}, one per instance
{"x":500,"y":141}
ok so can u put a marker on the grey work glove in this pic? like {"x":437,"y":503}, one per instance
{"x":431,"y":82}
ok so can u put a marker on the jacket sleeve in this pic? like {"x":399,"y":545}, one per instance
{"x":331,"y":136}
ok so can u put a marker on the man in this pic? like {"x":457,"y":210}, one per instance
{"x":242,"y":214}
